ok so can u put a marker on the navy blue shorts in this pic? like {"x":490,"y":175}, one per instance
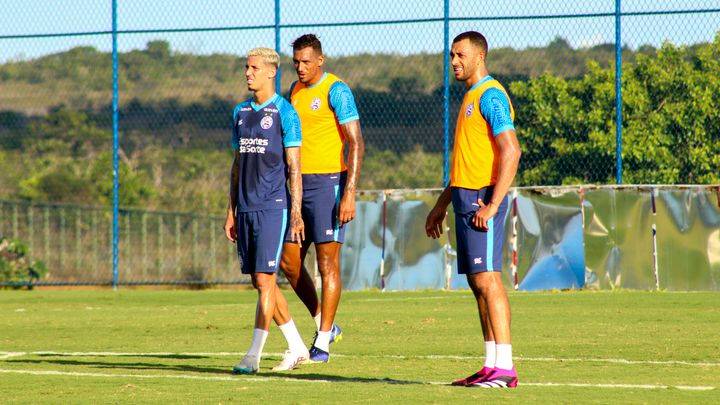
{"x":260,"y":236}
{"x":478,"y":250}
{"x":320,"y":207}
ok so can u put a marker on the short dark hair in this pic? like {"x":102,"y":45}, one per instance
{"x":307,"y":40}
{"x":475,"y":38}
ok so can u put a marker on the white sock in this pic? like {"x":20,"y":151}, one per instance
{"x":317,"y":320}
{"x":504,"y":356}
{"x":322,"y":341}
{"x":490,"y":353}
{"x":258,"y":342}
{"x":294,"y":341}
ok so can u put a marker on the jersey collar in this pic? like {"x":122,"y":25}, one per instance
{"x":263,"y":105}
{"x":324,"y":75}
{"x":483,"y":80}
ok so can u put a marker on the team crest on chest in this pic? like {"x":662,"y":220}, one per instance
{"x":266,"y":122}
{"x":315,"y":105}
{"x":469,"y":110}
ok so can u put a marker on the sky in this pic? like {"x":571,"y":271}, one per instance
{"x":21,"y":17}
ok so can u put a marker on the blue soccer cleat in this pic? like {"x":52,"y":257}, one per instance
{"x":318,"y":355}
{"x":335,"y":334}
{"x":248,"y":365}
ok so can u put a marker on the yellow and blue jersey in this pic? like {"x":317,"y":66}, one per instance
{"x":260,"y":135}
{"x":322,"y":108}
{"x":485,"y":112}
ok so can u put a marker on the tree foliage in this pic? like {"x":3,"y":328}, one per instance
{"x":175,"y":155}
{"x":671,"y":121}
{"x":17,"y":269}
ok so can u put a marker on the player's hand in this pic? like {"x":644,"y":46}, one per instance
{"x":297,"y":227}
{"x":483,"y":215}
{"x":229,"y":228}
{"x":434,"y":222}
{"x":346,"y":213}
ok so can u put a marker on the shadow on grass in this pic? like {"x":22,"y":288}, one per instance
{"x":129,"y":366}
{"x":292,"y":375}
{"x":289,"y":376}
{"x":154,"y":356}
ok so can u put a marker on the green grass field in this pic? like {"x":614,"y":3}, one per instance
{"x":179,"y":346}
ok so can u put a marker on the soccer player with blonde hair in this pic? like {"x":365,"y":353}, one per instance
{"x":266,"y":140}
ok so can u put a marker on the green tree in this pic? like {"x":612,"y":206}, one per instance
{"x":16,"y":267}
{"x":671,"y":121}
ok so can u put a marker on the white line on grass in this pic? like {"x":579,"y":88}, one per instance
{"x":258,"y":378}
{"x":5,"y":355}
{"x":149,"y":376}
{"x":631,"y":386}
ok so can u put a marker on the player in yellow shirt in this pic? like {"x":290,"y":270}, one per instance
{"x":330,"y":121}
{"x":484,"y":163}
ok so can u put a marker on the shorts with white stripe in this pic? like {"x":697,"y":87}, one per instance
{"x":260,"y":236}
{"x":320,"y":207}
{"x":478,"y":250}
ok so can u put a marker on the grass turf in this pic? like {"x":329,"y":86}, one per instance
{"x":398,"y":347}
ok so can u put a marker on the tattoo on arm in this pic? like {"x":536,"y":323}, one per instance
{"x":356,"y":151}
{"x":234,"y":183}
{"x":292,"y":156}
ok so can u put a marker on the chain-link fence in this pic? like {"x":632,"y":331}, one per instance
{"x":75,"y":244}
{"x":180,"y":72}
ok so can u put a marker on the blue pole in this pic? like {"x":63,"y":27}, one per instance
{"x":115,"y":118}
{"x":278,"y":84}
{"x":618,"y":95}
{"x":446,"y":94}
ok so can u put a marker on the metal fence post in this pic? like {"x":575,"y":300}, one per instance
{"x":78,"y":259}
{"x":31,"y":228}
{"x":15,"y":224}
{"x":213,"y":253}
{"x":195,"y":242}
{"x":178,"y":263}
{"x":128,"y":256}
{"x":61,"y":266}
{"x":618,"y":94}
{"x":46,"y":233}
{"x":144,"y":241}
{"x":95,"y":235}
{"x":159,"y":257}
{"x":446,"y":93}
{"x":115,"y":117}
{"x":278,"y":77}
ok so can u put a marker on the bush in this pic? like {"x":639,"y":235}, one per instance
{"x":16,"y":268}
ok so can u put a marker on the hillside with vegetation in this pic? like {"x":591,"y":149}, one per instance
{"x":55,"y":121}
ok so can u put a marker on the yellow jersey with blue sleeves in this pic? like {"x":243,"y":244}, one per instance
{"x":322,"y":108}
{"x":485,"y":112}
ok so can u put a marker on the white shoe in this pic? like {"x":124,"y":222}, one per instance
{"x":248,"y":365}
{"x":291,"y":360}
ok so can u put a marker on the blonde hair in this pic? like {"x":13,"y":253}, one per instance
{"x":268,"y":55}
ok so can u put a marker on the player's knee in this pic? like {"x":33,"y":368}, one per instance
{"x":490,"y":288}
{"x":482,"y":284}
{"x":328,"y":266}
{"x":330,"y":276}
{"x":263,"y":284}
{"x":290,"y":268}
{"x":477,"y":292}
